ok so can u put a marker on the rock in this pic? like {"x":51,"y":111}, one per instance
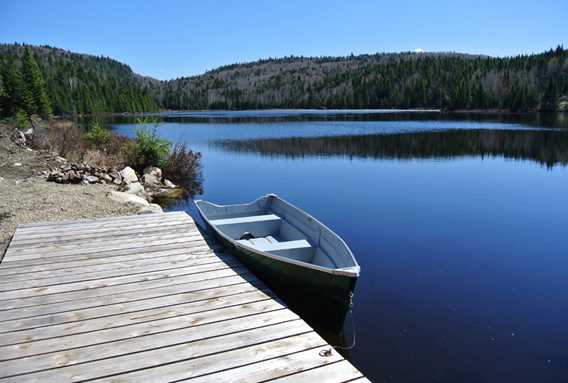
{"x":106,"y":177}
{"x":19,"y":138}
{"x":127,"y":198}
{"x":91,"y":179}
{"x":176,"y":193}
{"x":169,"y":184}
{"x":135,"y":188}
{"x":116,"y":177}
{"x":53,"y":176}
{"x":29,"y":133}
{"x":128,"y":175}
{"x":151,"y":180}
{"x":73,"y":177}
{"x":151,"y":208}
{"x":157,"y":172}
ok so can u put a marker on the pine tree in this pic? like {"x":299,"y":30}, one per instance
{"x":19,"y":97}
{"x":34,"y":82}
{"x":3,"y":97}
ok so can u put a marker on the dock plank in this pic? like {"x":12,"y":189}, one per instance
{"x":146,"y":298}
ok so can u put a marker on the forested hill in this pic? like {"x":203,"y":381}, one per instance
{"x":405,"y":80}
{"x":78,"y":82}
{"x":89,"y":84}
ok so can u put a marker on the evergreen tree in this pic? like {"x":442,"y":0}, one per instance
{"x":35,"y":84}
{"x":3,"y":96}
{"x":19,"y":98}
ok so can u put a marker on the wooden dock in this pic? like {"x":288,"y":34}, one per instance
{"x":146,"y":298}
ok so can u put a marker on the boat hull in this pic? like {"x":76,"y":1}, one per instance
{"x":328,"y":295}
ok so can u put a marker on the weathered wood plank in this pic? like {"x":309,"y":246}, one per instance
{"x":105,"y":307}
{"x":58,"y":229}
{"x":222,"y":298}
{"x":338,"y":372}
{"x":38,"y":304}
{"x":269,"y":360}
{"x":117,"y":275}
{"x":139,"y":240}
{"x":42,"y":291}
{"x":89,"y":266}
{"x":155,"y":326}
{"x":98,"y":227}
{"x":146,"y":298}
{"x":284,"y":363}
{"x":159,"y":348}
{"x":28,"y":241}
{"x":109,"y":255}
{"x":86,"y":221}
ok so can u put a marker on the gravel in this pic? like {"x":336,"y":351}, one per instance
{"x":35,"y":200}
{"x":26,"y":197}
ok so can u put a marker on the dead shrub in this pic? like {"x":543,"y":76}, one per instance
{"x":183,"y":167}
{"x":68,"y":140}
{"x":61,"y":137}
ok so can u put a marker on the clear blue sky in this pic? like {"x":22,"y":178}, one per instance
{"x":167,"y":39}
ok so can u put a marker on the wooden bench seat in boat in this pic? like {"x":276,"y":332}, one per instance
{"x":258,"y":225}
{"x":300,"y":250}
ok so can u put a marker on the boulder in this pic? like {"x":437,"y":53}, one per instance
{"x":105,"y":177}
{"x":151,"y":208}
{"x":127,"y":198}
{"x":169,"y":184}
{"x":135,"y":188}
{"x":54,"y":175}
{"x":128,"y":175}
{"x":29,"y":133}
{"x":92,"y":179}
{"x":73,"y":177}
{"x":116,"y":177}
{"x":156,"y":172}
{"x":153,"y":177}
{"x":151,"y":180}
{"x":176,"y":193}
{"x":19,"y":138}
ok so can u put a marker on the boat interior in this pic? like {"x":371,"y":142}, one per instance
{"x":276,"y":227}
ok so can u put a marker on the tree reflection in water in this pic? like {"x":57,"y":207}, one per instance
{"x":547,"y":147}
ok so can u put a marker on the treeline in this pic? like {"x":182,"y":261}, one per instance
{"x":69,"y":83}
{"x":62,"y":82}
{"x":405,"y":80}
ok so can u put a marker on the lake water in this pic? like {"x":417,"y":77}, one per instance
{"x":460,"y":224}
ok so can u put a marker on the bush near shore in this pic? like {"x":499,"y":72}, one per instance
{"x":99,"y":147}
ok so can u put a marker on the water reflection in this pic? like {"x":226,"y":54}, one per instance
{"x":551,"y":120}
{"x":547,"y":147}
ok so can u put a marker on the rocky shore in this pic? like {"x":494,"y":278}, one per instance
{"x":40,"y":186}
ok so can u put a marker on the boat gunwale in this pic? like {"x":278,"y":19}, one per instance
{"x":351,"y":271}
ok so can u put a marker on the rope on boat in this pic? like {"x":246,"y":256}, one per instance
{"x":327,"y":352}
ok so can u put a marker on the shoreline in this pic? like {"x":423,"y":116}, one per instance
{"x":317,"y":112}
{"x":77,"y":190}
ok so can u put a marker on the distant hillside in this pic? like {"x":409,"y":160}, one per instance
{"x":87,"y":84}
{"x":405,"y":80}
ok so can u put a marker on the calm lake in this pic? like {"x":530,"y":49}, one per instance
{"x":459,"y":223}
